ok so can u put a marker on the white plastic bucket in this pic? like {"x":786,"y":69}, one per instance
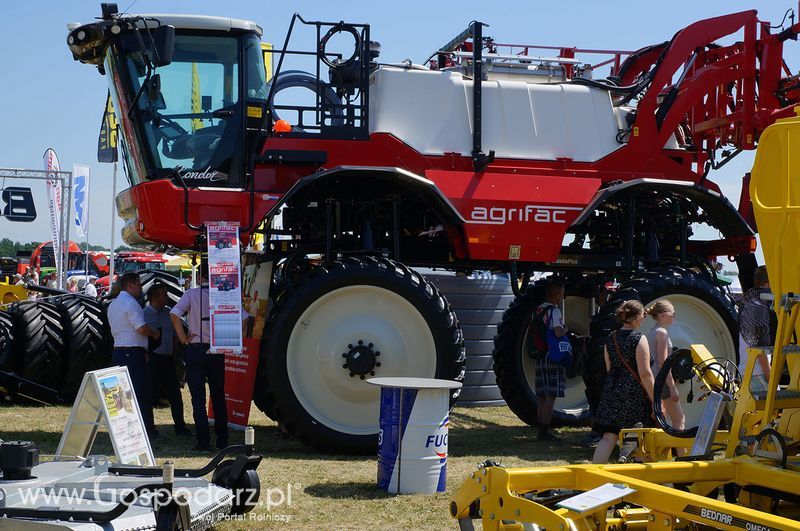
{"x":412,"y":442}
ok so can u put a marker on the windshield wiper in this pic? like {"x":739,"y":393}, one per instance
{"x":148,"y":62}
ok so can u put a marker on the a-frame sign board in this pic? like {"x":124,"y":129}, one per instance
{"x":106,"y":398}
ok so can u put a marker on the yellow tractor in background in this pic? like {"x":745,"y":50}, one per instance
{"x":745,"y":477}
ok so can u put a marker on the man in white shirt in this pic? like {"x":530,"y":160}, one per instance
{"x":130,"y":332}
{"x":202,"y":367}
{"x":90,"y":289}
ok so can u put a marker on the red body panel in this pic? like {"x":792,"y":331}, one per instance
{"x":521,"y":217}
{"x":156,"y":211}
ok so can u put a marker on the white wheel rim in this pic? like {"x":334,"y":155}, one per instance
{"x":576,"y":313}
{"x":697,"y":322}
{"x":322,"y":333}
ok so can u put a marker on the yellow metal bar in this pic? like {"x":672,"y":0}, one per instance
{"x":747,"y":418}
{"x":700,"y":354}
{"x":751,"y":472}
{"x":692,"y":507}
{"x":498,"y":489}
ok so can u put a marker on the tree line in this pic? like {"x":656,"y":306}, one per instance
{"x":10,"y":248}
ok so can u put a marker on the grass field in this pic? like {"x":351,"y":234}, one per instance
{"x":332,"y":492}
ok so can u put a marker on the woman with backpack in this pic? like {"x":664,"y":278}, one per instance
{"x":663,"y":312}
{"x":628,"y":389}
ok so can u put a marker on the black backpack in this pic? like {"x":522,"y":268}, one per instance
{"x":537,"y":333}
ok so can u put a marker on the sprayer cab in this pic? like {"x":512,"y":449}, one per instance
{"x":187,"y":90}
{"x":189,"y":94}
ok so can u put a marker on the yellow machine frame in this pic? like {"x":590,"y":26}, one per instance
{"x":760,"y":450}
{"x":10,"y":293}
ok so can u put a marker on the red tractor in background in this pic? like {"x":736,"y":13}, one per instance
{"x":43,"y":261}
{"x":489,"y":157}
{"x":131,"y":261}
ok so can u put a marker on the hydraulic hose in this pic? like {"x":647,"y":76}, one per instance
{"x":682,"y":367}
{"x":298,"y":78}
{"x":682,"y":362}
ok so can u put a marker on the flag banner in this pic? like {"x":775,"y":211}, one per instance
{"x":107,"y":142}
{"x":80,"y":182}
{"x":54,"y":205}
{"x":224,"y":288}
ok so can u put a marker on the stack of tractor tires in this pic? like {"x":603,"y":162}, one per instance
{"x":7,"y":360}
{"x":87,"y":338}
{"x":151,"y":277}
{"x":38,"y":347}
{"x":48,"y":345}
{"x":54,"y":343}
{"x":479,"y":301}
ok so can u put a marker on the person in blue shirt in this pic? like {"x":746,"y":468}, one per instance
{"x":162,"y":354}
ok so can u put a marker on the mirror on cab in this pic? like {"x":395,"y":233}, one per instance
{"x":164,"y":41}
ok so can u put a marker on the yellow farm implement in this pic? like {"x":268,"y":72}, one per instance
{"x":744,"y":477}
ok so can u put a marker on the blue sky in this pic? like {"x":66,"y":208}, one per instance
{"x":48,"y":100}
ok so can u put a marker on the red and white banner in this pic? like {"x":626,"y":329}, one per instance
{"x":241,"y":367}
{"x":224,"y":288}
{"x":54,"y":205}
{"x":228,"y":321}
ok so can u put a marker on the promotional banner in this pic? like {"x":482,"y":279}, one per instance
{"x":80,"y":176}
{"x":54,"y":205}
{"x":241,"y":367}
{"x":236,"y":320}
{"x":107,"y":141}
{"x":224,"y":288}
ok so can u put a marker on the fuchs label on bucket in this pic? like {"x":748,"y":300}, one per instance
{"x":412,"y":449}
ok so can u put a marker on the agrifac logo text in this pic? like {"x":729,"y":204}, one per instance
{"x":525,"y":214}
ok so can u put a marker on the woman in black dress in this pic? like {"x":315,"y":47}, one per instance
{"x":628,"y":389}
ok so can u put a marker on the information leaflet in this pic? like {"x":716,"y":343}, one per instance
{"x":224,"y":288}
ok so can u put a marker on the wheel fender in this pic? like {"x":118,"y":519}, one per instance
{"x":404,"y":180}
{"x":722,"y":212}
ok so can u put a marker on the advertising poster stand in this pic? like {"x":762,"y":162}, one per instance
{"x":107,"y":398}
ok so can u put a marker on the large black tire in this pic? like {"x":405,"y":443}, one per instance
{"x":10,"y":361}
{"x":87,"y":337}
{"x":514,"y":371}
{"x":150,"y":277}
{"x":314,"y":306}
{"x":700,"y":307}
{"x":39,"y":339}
